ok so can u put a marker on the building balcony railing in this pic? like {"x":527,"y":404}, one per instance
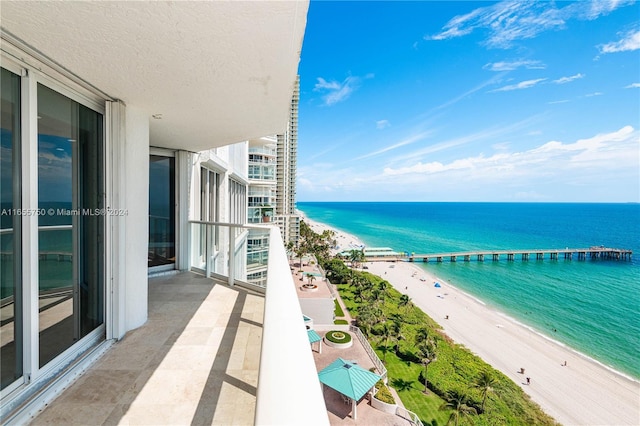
{"x":288,"y":391}
{"x":270,"y":204}
{"x":263,"y":151}
{"x":262,"y":161}
{"x":261,"y":191}
{"x":263,"y":177}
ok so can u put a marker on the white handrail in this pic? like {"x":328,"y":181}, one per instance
{"x":409,"y":415}
{"x":369,"y":350}
{"x":289,"y":391}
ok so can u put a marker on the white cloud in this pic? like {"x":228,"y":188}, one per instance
{"x":522,"y":85}
{"x":564,"y":80}
{"x":382,"y":124}
{"x":408,"y":141}
{"x":480,"y":86}
{"x":508,"y":21}
{"x":594,"y":8}
{"x":629,"y":41}
{"x":514,"y":65}
{"x":608,"y":151}
{"x":633,"y":86}
{"x":502,"y":146}
{"x":588,"y":95}
{"x":563,"y":101}
{"x":581,"y":167}
{"x":334,"y":91}
{"x":480,"y":136}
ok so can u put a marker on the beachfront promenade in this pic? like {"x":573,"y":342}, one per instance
{"x":567,"y":253}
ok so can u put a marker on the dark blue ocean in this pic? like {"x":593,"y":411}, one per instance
{"x":592,"y":306}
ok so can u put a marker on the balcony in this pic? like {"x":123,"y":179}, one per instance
{"x":263,"y":151}
{"x":212,"y":350}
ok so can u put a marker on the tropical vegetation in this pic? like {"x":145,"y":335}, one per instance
{"x":441,"y":381}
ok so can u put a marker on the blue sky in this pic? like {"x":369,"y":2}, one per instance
{"x":470,"y":101}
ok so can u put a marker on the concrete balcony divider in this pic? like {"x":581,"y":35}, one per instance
{"x":289,"y":392}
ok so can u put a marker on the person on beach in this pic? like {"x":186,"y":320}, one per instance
{"x":528,"y":380}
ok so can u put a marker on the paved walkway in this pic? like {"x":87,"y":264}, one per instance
{"x":195,"y":361}
{"x":338,"y":410}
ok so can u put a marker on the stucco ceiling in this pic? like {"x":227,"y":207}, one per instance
{"x":219,"y":72}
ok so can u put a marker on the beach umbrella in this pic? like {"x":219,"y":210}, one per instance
{"x":437,"y":285}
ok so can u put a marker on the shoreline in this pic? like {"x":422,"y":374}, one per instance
{"x":585,"y":391}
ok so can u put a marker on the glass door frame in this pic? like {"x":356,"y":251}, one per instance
{"x":30,"y":78}
{"x":169,"y":153}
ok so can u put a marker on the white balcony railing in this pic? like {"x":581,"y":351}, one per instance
{"x":289,"y":392}
{"x":264,"y":151}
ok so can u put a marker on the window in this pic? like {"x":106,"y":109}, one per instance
{"x":209,"y":186}
{"x":238,"y":202}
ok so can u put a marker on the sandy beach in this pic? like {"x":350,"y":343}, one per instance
{"x":582,"y":392}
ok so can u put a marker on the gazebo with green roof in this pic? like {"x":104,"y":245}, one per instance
{"x":315,"y":338}
{"x":349,"y":379}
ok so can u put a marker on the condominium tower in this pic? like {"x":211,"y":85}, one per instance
{"x":287,"y":159}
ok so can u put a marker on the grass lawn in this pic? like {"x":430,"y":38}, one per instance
{"x":338,"y":310}
{"x":455,"y":368}
{"x":404,"y":379}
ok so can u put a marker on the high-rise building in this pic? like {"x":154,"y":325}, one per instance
{"x":287,"y":159}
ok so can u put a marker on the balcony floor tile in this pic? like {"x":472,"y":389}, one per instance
{"x":195,"y":361}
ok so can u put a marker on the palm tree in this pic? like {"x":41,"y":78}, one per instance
{"x":485,"y":382}
{"x":383,"y":286}
{"x":457,"y":401}
{"x":422,"y":334}
{"x":368,"y":316}
{"x":301,"y":250}
{"x":427,"y":354}
{"x":357,"y":280}
{"x":405,"y":301}
{"x":356,"y":257}
{"x":390,"y":332}
{"x":311,"y":278}
{"x":359,"y":293}
{"x":290,"y":248}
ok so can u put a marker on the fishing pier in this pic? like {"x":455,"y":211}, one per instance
{"x":593,"y":253}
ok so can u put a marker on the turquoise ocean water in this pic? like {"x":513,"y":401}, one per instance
{"x":592,"y":306}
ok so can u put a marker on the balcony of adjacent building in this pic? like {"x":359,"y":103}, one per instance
{"x":261,"y":213}
{"x":262,"y":172}
{"x":262,"y":159}
{"x":215,"y":348}
{"x":265,"y":152}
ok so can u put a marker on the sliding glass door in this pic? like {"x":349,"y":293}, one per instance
{"x":52,"y":230}
{"x":162,"y":212}
{"x":71,"y":230}
{"x":11,"y":337}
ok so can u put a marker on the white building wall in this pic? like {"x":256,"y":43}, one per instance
{"x":136,"y":201}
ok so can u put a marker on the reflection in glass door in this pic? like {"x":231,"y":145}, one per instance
{"x":162,"y":205}
{"x":10,"y":282}
{"x":71,"y":232}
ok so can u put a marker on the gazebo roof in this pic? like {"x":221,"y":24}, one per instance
{"x":313,"y":336}
{"x":348,"y":378}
